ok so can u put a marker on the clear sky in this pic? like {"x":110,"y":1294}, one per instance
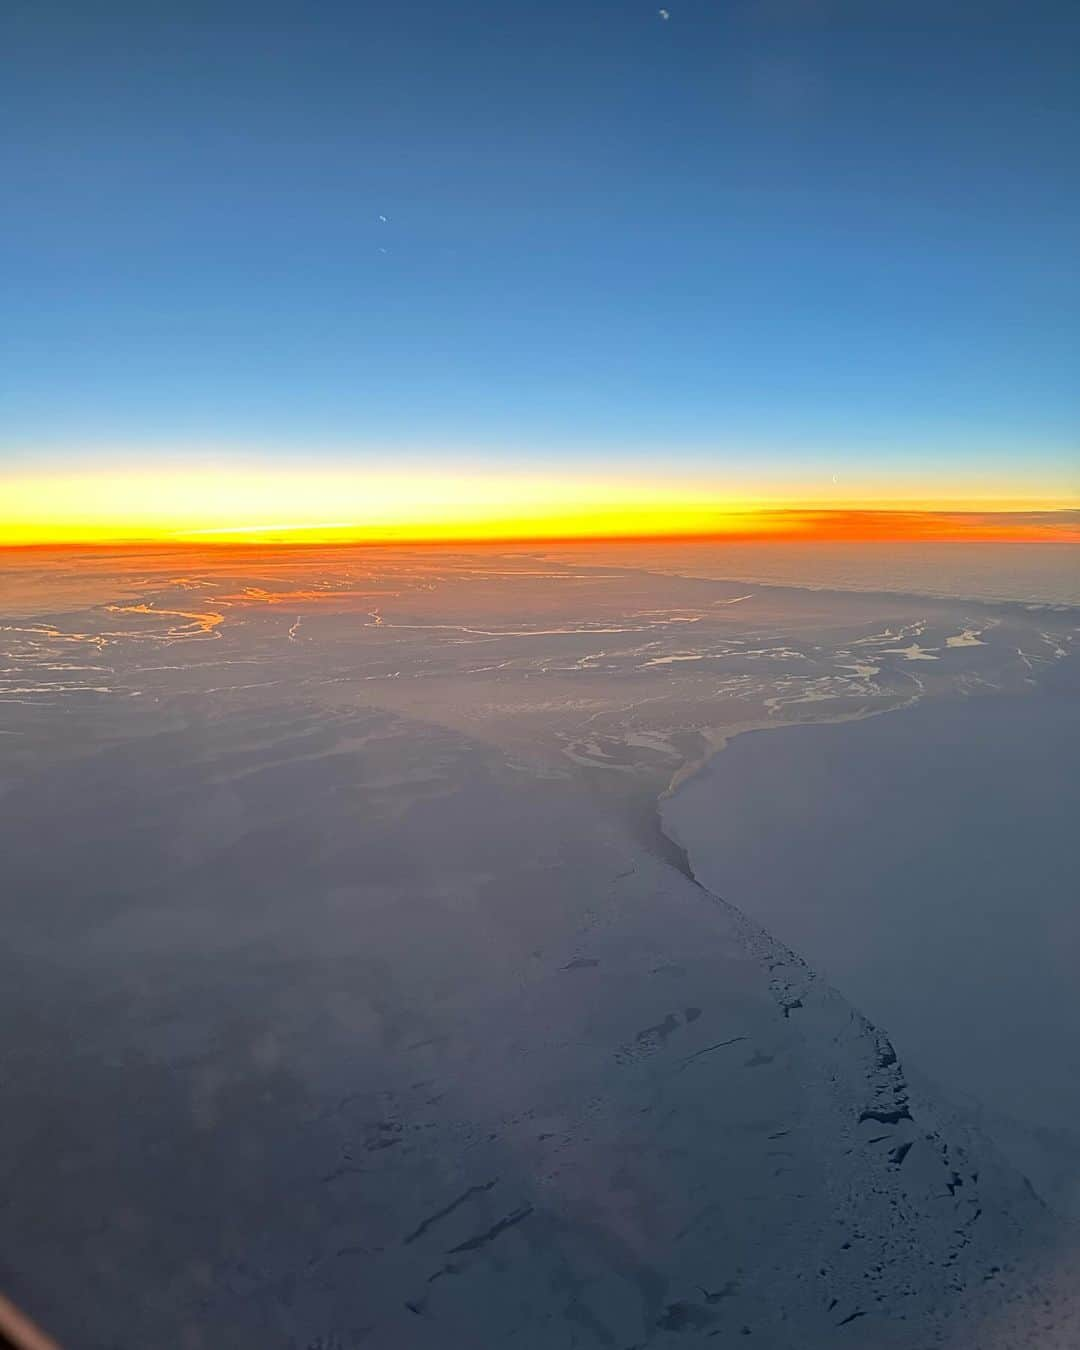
{"x":573,"y":256}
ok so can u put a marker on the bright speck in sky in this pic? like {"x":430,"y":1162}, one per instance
{"x":190,"y":267}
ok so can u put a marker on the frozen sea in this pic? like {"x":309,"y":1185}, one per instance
{"x":926,"y":863}
{"x":353,"y":995}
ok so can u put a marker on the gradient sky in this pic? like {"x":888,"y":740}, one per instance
{"x":790,"y":250}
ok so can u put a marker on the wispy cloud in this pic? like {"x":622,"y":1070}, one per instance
{"x":264,"y":529}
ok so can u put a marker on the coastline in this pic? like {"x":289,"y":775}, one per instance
{"x":875,"y":969}
{"x":718,"y":739}
{"x":1012,"y":573}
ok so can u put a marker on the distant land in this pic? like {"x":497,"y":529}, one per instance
{"x":451,"y":946}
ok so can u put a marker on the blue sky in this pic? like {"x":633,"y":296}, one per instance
{"x":807,"y":235}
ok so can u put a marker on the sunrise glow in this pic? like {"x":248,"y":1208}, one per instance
{"x":340,"y":505}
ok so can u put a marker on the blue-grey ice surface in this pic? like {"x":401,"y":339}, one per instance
{"x":352,"y":995}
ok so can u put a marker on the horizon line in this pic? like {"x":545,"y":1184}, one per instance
{"x":805,"y":524}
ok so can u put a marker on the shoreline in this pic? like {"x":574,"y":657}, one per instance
{"x":718,"y":740}
{"x":874,"y":931}
{"x":885,"y":593}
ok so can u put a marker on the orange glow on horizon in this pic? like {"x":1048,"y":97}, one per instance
{"x":347,"y":506}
